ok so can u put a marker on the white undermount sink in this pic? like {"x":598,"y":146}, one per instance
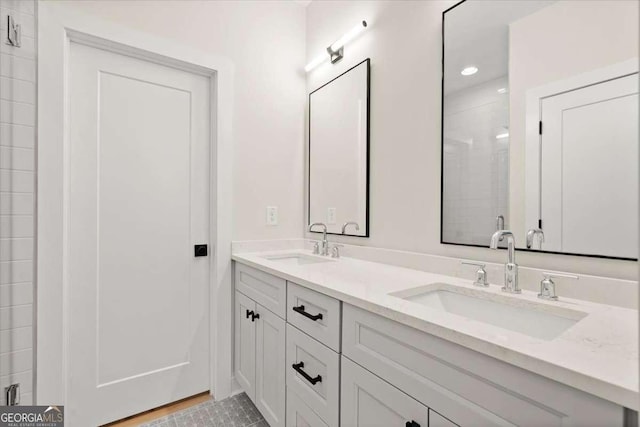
{"x":297,"y":259}
{"x":507,"y":312}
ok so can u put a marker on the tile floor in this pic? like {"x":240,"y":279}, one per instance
{"x":235,"y":411}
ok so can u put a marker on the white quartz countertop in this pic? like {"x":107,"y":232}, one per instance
{"x":599,"y":354}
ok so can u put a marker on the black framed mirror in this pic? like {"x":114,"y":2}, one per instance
{"x":540,"y":125}
{"x":338,"y":174}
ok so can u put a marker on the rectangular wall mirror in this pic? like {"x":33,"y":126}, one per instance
{"x":540,"y":125}
{"x":339,"y":153}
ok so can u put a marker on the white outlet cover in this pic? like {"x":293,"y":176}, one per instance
{"x":331,"y":215}
{"x":272,"y":215}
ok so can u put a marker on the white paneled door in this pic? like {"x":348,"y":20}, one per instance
{"x":137,"y":203}
{"x":587,"y":132}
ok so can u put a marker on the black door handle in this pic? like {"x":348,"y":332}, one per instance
{"x":249,"y":313}
{"x":298,"y":368}
{"x":254,"y":316}
{"x":314,"y":317}
{"x":200,"y":250}
{"x":412,"y":424}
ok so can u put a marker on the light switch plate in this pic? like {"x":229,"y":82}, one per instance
{"x":272,"y":215}
{"x":331,"y":215}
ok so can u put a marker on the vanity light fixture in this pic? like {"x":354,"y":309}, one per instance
{"x":502,"y":135}
{"x":469,"y":71}
{"x":313,"y":64}
{"x":335,"y":52}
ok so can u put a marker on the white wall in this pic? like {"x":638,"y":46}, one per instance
{"x":404,"y":44}
{"x":17,"y":178}
{"x":265,"y":41}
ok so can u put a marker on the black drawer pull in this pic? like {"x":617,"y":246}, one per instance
{"x":412,"y":424}
{"x":249,"y":313}
{"x":298,"y":368}
{"x":314,"y":317}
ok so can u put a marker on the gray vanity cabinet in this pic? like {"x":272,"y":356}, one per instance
{"x":313,"y":359}
{"x":270,"y":376}
{"x":299,"y":414}
{"x":437,"y":420}
{"x":369,"y":401}
{"x":309,"y":360}
{"x":260,"y":338}
{"x":260,"y":341}
{"x":245,"y":344}
{"x":462,"y":385}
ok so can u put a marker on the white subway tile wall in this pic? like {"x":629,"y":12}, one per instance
{"x":476,"y":163}
{"x":17,"y":200}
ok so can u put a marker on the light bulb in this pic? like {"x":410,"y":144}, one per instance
{"x":319,"y":60}
{"x":352,"y":34}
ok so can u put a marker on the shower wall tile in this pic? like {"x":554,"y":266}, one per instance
{"x":17,"y":200}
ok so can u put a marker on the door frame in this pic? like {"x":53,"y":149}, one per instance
{"x":59,"y":25}
{"x":533,"y":139}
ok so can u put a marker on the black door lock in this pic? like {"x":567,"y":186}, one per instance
{"x":200,"y":250}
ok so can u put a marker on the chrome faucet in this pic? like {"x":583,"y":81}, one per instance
{"x":346,"y":224}
{"x":325,"y":243}
{"x":531,"y":236}
{"x":510,"y":268}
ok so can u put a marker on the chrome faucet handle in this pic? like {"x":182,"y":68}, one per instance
{"x":316,"y":246}
{"x":500,"y":225}
{"x":348,"y":223}
{"x":335,"y":251}
{"x":481,"y":274}
{"x":548,"y":286}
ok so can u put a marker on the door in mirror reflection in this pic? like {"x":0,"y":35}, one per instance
{"x":339,"y":153}
{"x":540,"y":125}
{"x":587,"y":132}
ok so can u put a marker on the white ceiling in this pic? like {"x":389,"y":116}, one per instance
{"x":477,"y":33}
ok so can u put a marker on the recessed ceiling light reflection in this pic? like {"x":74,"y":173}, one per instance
{"x":469,"y":71}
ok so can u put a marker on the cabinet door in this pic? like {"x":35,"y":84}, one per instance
{"x":245,"y":344}
{"x":368,"y":401}
{"x":270,"y":365}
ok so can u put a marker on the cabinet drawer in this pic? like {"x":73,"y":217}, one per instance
{"x":369,"y":401}
{"x":464,"y":386}
{"x":437,"y":420}
{"x":314,"y":313}
{"x":267,"y":290}
{"x":299,"y":414}
{"x":317,"y":377}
